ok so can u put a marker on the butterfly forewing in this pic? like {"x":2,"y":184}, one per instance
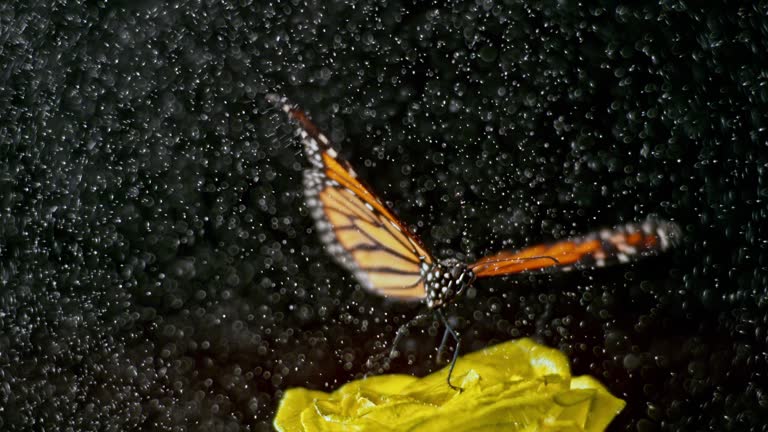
{"x":359,"y":231}
{"x":596,"y":249}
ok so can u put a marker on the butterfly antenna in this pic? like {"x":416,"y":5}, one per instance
{"x":485,"y":265}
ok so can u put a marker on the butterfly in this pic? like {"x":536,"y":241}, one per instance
{"x":365,"y":237}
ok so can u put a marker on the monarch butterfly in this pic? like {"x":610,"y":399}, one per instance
{"x":365,"y":237}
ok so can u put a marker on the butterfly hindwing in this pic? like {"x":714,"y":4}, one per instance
{"x":597,"y":249}
{"x":358,"y":230}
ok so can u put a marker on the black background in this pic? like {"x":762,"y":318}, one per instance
{"x":158,"y":268}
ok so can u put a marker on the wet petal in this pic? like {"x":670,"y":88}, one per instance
{"x":516,"y":385}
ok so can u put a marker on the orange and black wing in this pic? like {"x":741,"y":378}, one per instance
{"x":358,"y":230}
{"x":597,"y":249}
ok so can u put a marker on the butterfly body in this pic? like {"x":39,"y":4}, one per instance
{"x":365,"y":237}
{"x":445,"y":281}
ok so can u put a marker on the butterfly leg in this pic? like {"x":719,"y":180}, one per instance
{"x":403,"y":330}
{"x":452,"y":332}
{"x":441,"y":348}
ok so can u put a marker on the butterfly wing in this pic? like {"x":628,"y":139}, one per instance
{"x":596,"y":249}
{"x":358,"y":230}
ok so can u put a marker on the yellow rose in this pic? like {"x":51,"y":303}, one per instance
{"x":514,"y":386}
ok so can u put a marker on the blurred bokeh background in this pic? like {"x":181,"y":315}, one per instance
{"x":159,"y":270}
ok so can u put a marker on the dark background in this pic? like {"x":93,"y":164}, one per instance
{"x":158,"y":268}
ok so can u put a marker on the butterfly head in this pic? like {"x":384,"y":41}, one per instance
{"x":446,"y":280}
